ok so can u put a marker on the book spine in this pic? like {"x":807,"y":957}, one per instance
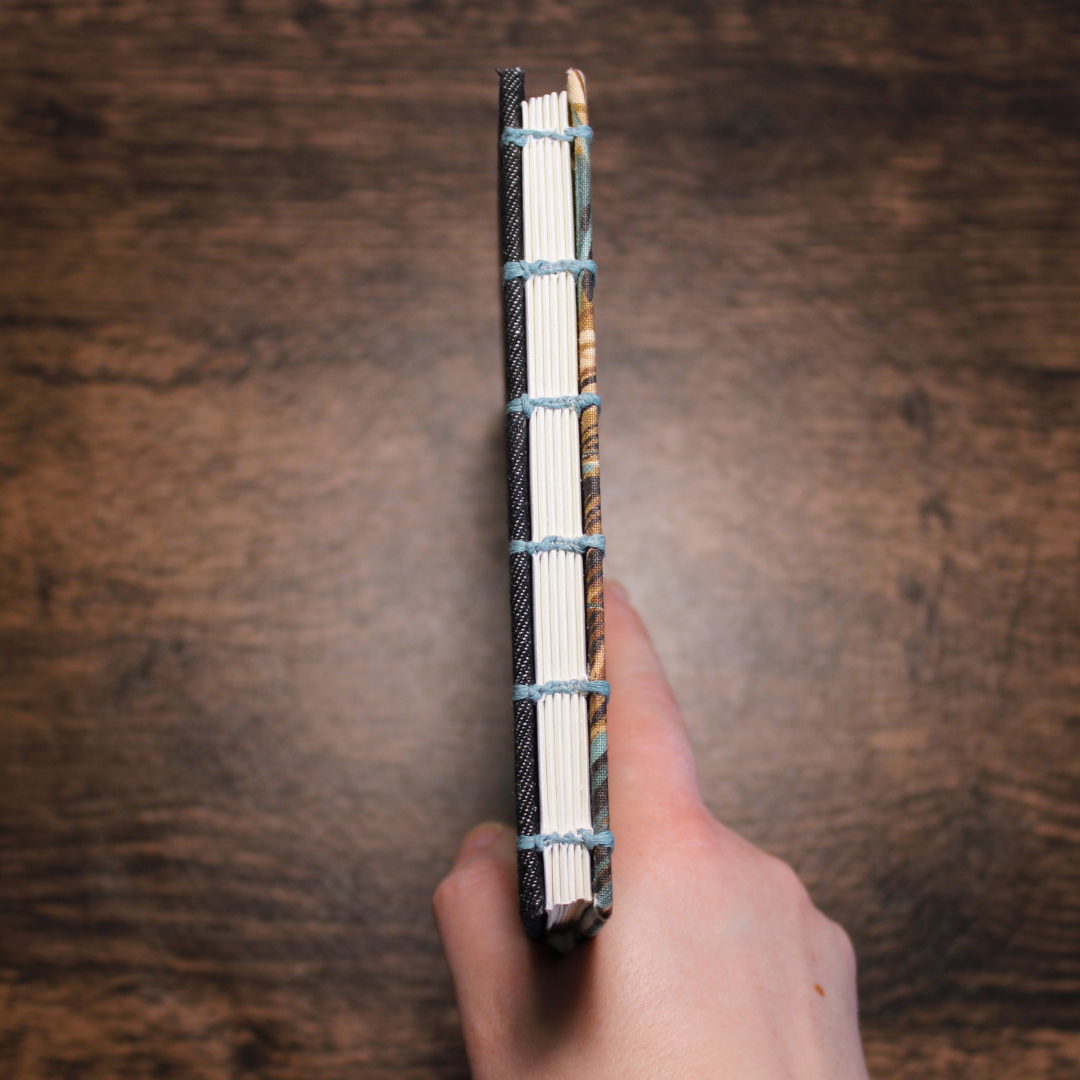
{"x":590,"y":492}
{"x":526,"y":774}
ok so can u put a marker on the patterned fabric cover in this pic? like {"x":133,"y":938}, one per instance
{"x":590,"y":489}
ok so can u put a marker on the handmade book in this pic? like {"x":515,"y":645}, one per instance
{"x":556,"y":544}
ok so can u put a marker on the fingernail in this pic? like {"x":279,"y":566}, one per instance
{"x":617,"y":589}
{"x":480,"y":837}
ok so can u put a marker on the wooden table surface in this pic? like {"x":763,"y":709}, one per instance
{"x":254,"y":592}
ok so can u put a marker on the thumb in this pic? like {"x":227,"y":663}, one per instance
{"x":650,"y":762}
{"x":476,"y":910}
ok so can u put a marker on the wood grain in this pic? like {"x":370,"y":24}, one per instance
{"x":254,"y":628}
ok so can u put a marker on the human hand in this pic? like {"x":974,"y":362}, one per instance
{"x":715,"y":962}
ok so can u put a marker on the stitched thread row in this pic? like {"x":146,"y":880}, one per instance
{"x":536,"y":691}
{"x":528,"y":405}
{"x":576,"y":544}
{"x":526,"y":270}
{"x":583,"y":836}
{"x":519,"y":136}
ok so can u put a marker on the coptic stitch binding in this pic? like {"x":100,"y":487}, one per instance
{"x":515,"y":271}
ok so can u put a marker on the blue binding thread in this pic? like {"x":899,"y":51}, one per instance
{"x":535,"y":692}
{"x":529,"y":405}
{"x":591,"y":840}
{"x":575,"y":544}
{"x":526,"y":270}
{"x":519,"y":136}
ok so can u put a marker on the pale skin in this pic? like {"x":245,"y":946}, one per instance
{"x":715,"y":963}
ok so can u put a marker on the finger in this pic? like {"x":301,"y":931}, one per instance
{"x":476,"y":910}
{"x":650,"y":762}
